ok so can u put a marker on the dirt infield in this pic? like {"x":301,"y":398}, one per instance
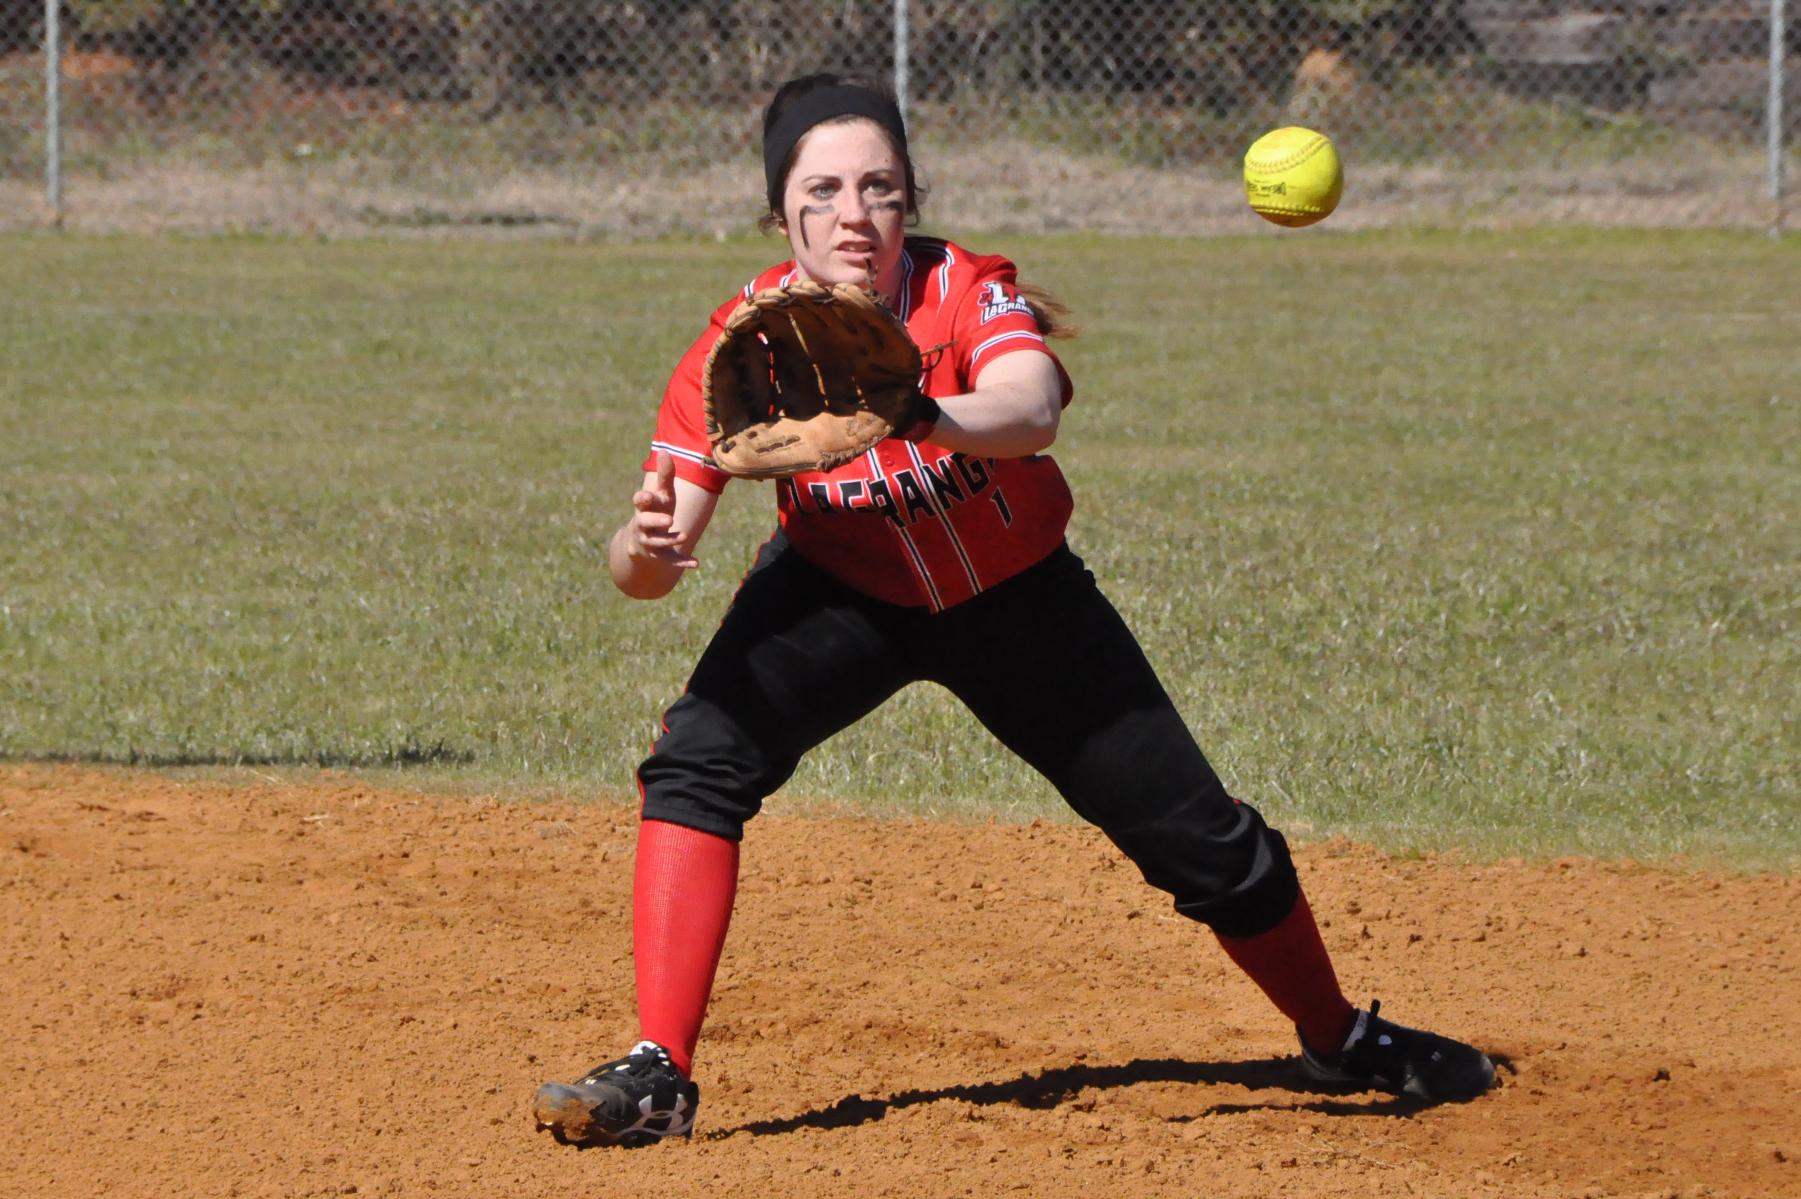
{"x":257,"y":990}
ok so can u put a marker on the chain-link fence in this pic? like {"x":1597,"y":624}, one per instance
{"x":640,"y":117}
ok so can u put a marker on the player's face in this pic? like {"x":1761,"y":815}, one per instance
{"x":845,"y":206}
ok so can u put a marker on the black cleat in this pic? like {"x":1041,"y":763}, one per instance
{"x":637,"y":1100}
{"x":1409,"y":1062}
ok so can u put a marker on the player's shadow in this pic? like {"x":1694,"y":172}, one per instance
{"x":1052,"y":1088}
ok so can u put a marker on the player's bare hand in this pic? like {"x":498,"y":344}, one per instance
{"x":652,"y":530}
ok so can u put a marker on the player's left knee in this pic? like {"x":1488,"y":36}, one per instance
{"x":1228,"y":870}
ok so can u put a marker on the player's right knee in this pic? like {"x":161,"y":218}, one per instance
{"x":706,"y":773}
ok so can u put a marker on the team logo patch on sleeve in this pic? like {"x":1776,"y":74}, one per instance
{"x":997,"y":301}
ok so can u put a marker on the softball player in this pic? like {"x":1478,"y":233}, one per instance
{"x":940,"y":556}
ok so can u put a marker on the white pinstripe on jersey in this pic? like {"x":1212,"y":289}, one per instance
{"x":944,"y":518}
{"x":906,"y":291}
{"x":934,"y":599}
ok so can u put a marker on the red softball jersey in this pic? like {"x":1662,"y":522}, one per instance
{"x":908,"y":523}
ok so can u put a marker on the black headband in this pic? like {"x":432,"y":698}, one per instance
{"x":817,"y":107}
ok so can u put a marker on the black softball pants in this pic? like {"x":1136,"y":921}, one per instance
{"x":1042,"y":660}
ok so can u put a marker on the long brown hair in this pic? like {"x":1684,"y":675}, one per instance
{"x":1051,"y":313}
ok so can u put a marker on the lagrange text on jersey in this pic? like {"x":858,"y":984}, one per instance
{"x":901,"y":495}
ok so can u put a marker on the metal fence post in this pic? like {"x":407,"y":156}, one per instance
{"x":1477,"y":93}
{"x":1778,"y":40}
{"x":900,"y":57}
{"x":53,"y":109}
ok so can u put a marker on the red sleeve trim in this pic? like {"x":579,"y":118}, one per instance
{"x":696,"y":468}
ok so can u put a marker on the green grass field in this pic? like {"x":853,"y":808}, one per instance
{"x":1489,"y":542}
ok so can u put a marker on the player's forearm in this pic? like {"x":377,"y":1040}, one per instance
{"x":1004,"y":420}
{"x":638,"y":575}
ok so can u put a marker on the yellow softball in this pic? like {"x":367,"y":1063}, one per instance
{"x":1292,"y":176}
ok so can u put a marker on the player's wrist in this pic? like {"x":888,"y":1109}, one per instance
{"x":925,"y":417}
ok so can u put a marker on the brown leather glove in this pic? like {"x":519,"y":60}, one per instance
{"x":807,"y":377}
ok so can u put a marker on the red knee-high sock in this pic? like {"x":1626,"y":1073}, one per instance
{"x":1290,"y":963}
{"x":682,"y":891}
